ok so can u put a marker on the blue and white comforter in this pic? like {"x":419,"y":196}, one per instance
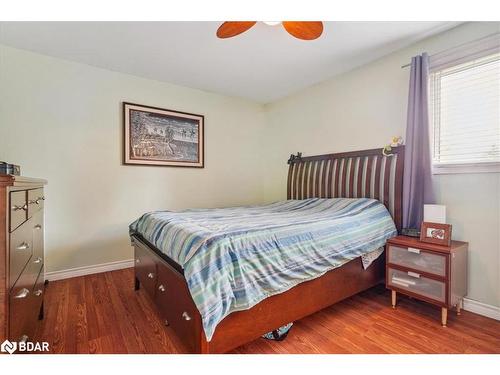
{"x":233,"y":258}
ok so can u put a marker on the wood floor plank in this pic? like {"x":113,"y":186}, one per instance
{"x":103,"y":314}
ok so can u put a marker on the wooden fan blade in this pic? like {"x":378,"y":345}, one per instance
{"x":306,"y":30}
{"x":230,"y":29}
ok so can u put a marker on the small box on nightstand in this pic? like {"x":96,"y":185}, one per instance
{"x":432,"y":273}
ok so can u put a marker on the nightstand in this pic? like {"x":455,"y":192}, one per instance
{"x":428,"y":272}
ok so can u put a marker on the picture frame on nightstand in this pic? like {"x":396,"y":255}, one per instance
{"x":436,"y":233}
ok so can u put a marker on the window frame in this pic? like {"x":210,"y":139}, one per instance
{"x":483,"y":47}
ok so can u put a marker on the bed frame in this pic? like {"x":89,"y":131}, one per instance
{"x":356,"y":174}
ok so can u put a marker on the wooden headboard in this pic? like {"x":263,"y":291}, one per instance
{"x":356,"y":174}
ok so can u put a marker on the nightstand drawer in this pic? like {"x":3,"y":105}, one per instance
{"x":417,"y":284}
{"x":418,"y":260}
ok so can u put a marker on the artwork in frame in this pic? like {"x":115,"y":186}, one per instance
{"x":436,"y":233}
{"x":157,"y":136}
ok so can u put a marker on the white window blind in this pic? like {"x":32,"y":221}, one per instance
{"x":465,"y":112}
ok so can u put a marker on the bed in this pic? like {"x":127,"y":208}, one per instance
{"x":223,"y":277}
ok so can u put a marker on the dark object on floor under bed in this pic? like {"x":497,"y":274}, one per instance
{"x":279,"y":334}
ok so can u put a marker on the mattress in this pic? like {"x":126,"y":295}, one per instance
{"x":233,"y":258}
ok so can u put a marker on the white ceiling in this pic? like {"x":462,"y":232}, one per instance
{"x":262,"y":64}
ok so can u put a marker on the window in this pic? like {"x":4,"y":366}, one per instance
{"x":465,"y":115}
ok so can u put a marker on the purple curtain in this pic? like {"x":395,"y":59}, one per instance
{"x":417,"y":184}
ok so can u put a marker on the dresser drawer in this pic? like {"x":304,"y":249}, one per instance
{"x":21,"y":250}
{"x":145,"y":269}
{"x":38,"y":291}
{"x":36,"y":223}
{"x":24,"y":305}
{"x":175,"y":307}
{"x":417,"y":284}
{"x":418,"y":259}
{"x":35,"y":201}
{"x":18,"y":209}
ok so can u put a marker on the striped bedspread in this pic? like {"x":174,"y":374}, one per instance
{"x":233,"y":258}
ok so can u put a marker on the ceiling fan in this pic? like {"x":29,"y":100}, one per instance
{"x":305,"y":30}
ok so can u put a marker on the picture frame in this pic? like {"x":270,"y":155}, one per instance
{"x":436,"y":233}
{"x":162,"y":137}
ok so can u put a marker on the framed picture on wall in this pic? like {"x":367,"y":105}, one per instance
{"x":157,"y":136}
{"x":436,"y":233}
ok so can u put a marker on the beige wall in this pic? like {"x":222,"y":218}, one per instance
{"x":62,"y":121}
{"x":363,"y":109}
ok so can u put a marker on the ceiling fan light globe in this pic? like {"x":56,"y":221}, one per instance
{"x":272,"y":23}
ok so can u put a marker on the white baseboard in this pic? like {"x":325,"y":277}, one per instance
{"x":482,"y":308}
{"x":89,"y":270}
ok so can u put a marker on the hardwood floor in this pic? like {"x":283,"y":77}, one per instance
{"x":103,"y":314}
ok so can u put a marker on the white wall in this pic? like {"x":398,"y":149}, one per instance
{"x":63,"y":121}
{"x":363,"y":109}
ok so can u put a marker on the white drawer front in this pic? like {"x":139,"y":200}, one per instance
{"x":36,"y":200}
{"x":21,"y":250}
{"x":417,"y":259}
{"x":417,"y":284}
{"x":18,"y":208}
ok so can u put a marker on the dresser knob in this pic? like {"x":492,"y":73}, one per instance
{"x":23,"y":293}
{"x":161,"y":288}
{"x":38,"y":226}
{"x":38,"y":293}
{"x":151,"y":275}
{"x":38,"y":260}
{"x":23,"y":207}
{"x":186,"y":316}
{"x":23,"y":246}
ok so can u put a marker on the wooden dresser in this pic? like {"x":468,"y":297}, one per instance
{"x":432,"y":273}
{"x":21,"y":256}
